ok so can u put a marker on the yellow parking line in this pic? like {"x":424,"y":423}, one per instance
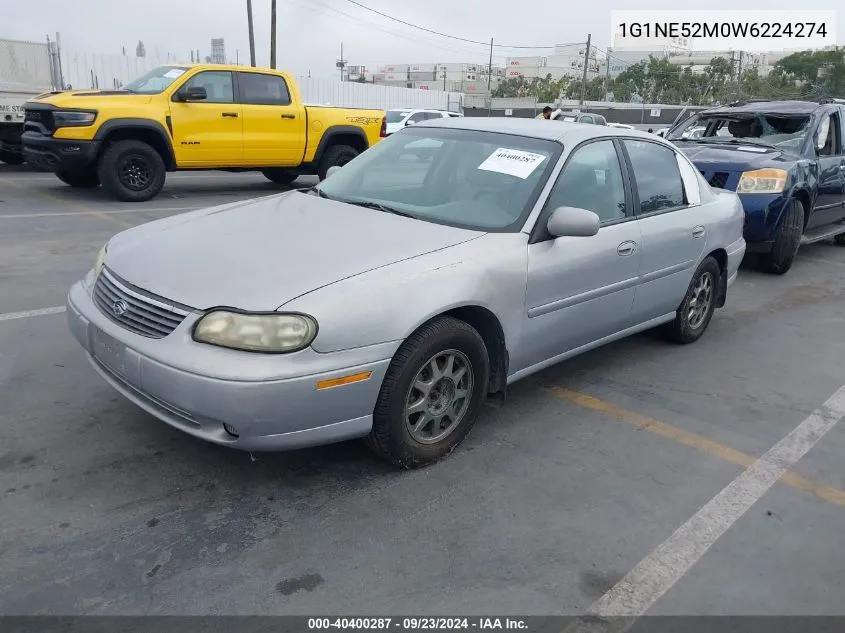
{"x":71,"y":204}
{"x":824,"y":492}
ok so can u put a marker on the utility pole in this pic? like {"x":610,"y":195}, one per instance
{"x":607,"y":73}
{"x":586,"y":63}
{"x":490,"y":80}
{"x":272,"y":33}
{"x":251,"y":33}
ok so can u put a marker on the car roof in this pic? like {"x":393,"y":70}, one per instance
{"x":758,"y":107}
{"x":560,"y":131}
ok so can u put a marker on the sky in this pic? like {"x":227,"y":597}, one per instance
{"x":310,"y":32}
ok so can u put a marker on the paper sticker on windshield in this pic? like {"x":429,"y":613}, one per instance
{"x":173,"y":73}
{"x":513,"y":162}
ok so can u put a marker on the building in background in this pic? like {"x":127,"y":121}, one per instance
{"x":468,"y":78}
{"x":218,"y":51}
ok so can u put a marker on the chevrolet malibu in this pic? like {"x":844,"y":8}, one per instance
{"x":408,"y":288}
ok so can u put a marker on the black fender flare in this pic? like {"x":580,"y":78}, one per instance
{"x":332,"y":133}
{"x":157,"y":128}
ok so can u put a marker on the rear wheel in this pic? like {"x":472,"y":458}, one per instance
{"x":84,"y":179}
{"x":696,"y":311}
{"x":431,"y":394}
{"x":780,"y":259}
{"x":337,"y":155}
{"x":131,"y":171}
{"x":11,"y":158}
{"x":280,"y":176}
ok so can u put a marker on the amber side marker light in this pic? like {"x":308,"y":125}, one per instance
{"x":345,"y":380}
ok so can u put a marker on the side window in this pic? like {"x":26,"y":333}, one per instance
{"x":657,"y":176}
{"x":830,"y":130}
{"x":259,"y":89}
{"x":592,"y":180}
{"x":418,"y":116}
{"x":587,"y":119}
{"x":217,"y":84}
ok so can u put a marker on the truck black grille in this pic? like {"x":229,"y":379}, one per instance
{"x":134,"y":311}
{"x":38,"y":120}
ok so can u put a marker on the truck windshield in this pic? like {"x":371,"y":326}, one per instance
{"x":155,"y":81}
{"x":478,"y":180}
{"x":782,"y":130}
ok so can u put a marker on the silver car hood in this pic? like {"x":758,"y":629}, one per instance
{"x":260,"y":254}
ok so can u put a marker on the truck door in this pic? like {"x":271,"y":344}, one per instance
{"x":208,"y":132}
{"x":831,"y":196}
{"x":274,"y":127}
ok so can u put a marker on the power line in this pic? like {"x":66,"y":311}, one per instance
{"x":451,"y":37}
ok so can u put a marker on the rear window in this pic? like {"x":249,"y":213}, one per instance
{"x":395,"y":116}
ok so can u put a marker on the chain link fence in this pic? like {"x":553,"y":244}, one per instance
{"x":25,"y":66}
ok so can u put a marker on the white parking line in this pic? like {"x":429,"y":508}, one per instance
{"x":632,"y":596}
{"x":9,"y":316}
{"x":117,"y":212}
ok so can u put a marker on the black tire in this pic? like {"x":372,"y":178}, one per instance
{"x":10,"y":158}
{"x":131,"y":171}
{"x":787,"y":241}
{"x":391,"y":438}
{"x":280,"y":176}
{"x":690,"y":323}
{"x":335,"y":155}
{"x":82,"y":179}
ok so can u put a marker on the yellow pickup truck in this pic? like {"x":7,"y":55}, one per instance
{"x":191,"y":117}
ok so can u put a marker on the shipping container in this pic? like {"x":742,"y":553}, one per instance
{"x":395,"y":68}
{"x":422,"y":76}
{"x":423,"y":68}
{"x":521,"y":62}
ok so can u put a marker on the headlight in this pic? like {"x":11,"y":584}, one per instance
{"x":101,"y":260}
{"x":762,"y":181}
{"x":71,"y":118}
{"x":274,"y":333}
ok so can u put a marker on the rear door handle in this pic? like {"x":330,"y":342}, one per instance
{"x":626,"y":249}
{"x":288,"y":116}
{"x":234,"y":115}
{"x":698,"y":231}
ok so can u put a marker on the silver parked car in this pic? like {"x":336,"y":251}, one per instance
{"x":393,"y":299}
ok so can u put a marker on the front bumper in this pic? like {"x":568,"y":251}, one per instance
{"x":46,"y":152}
{"x":762,"y":215}
{"x":736,"y":252}
{"x":269,"y":413}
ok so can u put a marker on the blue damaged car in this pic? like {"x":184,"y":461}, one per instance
{"x":785,"y":159}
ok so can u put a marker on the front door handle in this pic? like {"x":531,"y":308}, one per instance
{"x":698,"y":231}
{"x":626,"y":249}
{"x":234,"y":115}
{"x":288,"y":116}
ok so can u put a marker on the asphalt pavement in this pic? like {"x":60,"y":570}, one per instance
{"x":642,"y":477}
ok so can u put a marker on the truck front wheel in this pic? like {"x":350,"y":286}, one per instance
{"x":131,"y":171}
{"x":335,"y":155}
{"x":84,"y":179}
{"x":787,"y":241}
{"x":280,"y":175}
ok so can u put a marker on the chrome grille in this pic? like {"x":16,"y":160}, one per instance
{"x":135,"y":310}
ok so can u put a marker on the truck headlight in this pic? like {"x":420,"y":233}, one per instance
{"x":272,"y":333}
{"x":73,"y":118}
{"x":762,"y":181}
{"x":100,"y":261}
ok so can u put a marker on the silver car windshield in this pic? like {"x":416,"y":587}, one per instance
{"x":466,"y":178}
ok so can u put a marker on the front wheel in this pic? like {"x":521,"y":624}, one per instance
{"x":787,"y":240}
{"x":335,"y":156}
{"x":696,"y":311}
{"x":431,"y":394}
{"x":83,"y":179}
{"x":10,"y":158}
{"x":131,"y":171}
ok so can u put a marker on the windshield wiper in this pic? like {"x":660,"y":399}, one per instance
{"x":378,"y":206}
{"x":740,"y":141}
{"x":317,"y":191}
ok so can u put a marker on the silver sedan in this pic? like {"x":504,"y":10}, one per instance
{"x":408,"y":288}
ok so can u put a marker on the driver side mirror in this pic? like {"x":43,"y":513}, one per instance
{"x":573,"y":222}
{"x":194,"y":93}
